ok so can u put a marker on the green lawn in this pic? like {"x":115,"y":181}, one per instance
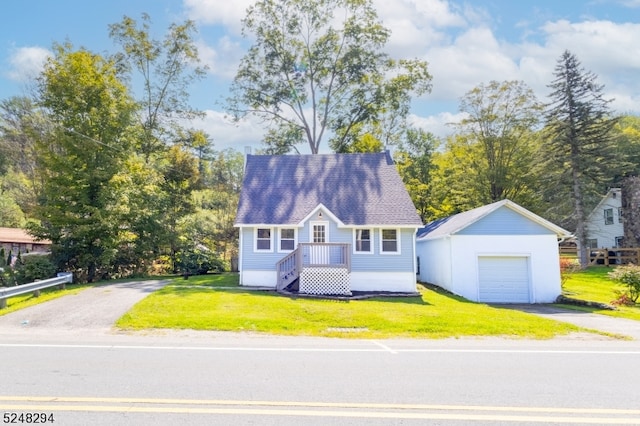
{"x":593,"y":284}
{"x":217,"y":303}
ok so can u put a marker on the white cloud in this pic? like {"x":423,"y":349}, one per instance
{"x":438,"y":124}
{"x":223,"y":58}
{"x":25,"y":63}
{"x":227,"y":134}
{"x":475,"y":57}
{"x":417,"y":24}
{"x":216,"y":12}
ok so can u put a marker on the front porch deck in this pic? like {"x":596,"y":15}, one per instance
{"x":320,"y":268}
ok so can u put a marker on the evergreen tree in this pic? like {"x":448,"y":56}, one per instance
{"x":579,"y":144}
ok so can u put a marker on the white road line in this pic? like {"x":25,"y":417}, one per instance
{"x":382,"y":348}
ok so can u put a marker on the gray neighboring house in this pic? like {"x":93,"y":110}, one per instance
{"x":326,"y":223}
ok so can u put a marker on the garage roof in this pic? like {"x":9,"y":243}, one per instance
{"x":460,"y":222}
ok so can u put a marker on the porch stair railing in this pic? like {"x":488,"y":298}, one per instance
{"x":288,"y":269}
{"x":322,"y":257}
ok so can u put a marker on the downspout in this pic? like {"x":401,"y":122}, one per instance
{"x":240,"y":255}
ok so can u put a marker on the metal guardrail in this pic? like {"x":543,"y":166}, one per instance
{"x":35,"y":287}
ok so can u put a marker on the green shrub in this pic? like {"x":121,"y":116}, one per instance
{"x":629,"y":275}
{"x":33,"y":267}
{"x":198,"y":261}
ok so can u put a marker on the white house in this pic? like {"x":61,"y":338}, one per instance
{"x":604,"y":224}
{"x":326,"y":223}
{"x":498,"y":253}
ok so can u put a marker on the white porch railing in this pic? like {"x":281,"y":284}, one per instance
{"x":323,"y":268}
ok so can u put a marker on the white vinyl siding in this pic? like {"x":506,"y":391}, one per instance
{"x":602,"y":225}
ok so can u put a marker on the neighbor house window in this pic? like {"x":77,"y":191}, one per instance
{"x":619,"y":241}
{"x":287,"y":239}
{"x":363,"y":241}
{"x":389,"y":241}
{"x":608,"y":216}
{"x":592,"y":243}
{"x":263,"y":239}
{"x":620,"y":216}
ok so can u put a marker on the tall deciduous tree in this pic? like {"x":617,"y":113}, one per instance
{"x":578,"y":150}
{"x":21,"y":124}
{"x":501,"y":119}
{"x":180,"y":179}
{"x":91,"y":110}
{"x":414,"y":160}
{"x":317,"y":69}
{"x":167,"y":68}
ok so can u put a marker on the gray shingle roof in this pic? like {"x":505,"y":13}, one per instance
{"x":359,"y":189}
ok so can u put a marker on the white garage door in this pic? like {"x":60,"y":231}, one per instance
{"x":503,"y":279}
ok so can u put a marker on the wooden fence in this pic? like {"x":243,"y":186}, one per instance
{"x":608,"y":256}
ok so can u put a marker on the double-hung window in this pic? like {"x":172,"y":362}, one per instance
{"x":363,"y":243}
{"x":608,"y":216}
{"x":263,"y":239}
{"x":389,"y":241}
{"x":287,"y":239}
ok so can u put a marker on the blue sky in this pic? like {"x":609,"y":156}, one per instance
{"x":465,"y":42}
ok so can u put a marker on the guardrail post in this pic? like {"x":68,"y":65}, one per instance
{"x":62,"y":286}
{"x":3,"y":303}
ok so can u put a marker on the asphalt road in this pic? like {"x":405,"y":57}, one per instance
{"x":66,"y":360}
{"x":218,"y":378}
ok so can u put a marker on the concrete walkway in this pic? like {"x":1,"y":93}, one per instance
{"x":588,"y":320}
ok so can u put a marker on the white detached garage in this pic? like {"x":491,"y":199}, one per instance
{"x":498,"y":253}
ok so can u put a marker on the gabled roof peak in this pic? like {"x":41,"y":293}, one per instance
{"x":359,"y":189}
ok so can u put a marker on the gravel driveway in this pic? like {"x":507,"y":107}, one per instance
{"x":93,"y":310}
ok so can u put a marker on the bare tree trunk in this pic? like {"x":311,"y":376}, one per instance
{"x":581,"y":231}
{"x":630,"y":196}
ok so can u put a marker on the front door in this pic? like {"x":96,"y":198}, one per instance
{"x":319,"y":254}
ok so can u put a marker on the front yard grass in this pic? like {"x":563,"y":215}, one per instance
{"x":217,"y":303}
{"x":593,"y":284}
